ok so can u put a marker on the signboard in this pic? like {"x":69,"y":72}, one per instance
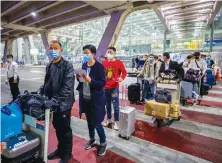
{"x":34,"y":51}
{"x":192,"y":46}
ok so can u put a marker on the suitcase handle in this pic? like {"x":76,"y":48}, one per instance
{"x":124,"y":94}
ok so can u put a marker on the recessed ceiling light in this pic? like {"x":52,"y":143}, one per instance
{"x":33,"y":14}
{"x":1,"y":28}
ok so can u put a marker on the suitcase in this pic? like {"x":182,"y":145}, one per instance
{"x":11,"y":120}
{"x":186,"y":89}
{"x":175,"y":111}
{"x":156,"y":109}
{"x":127,"y":122}
{"x":134,"y":93}
{"x":23,"y":148}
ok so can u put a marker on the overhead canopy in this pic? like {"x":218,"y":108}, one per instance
{"x":20,"y":18}
{"x":190,"y":16}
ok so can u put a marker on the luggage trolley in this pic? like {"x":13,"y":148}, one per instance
{"x":174,"y":89}
{"x":31,"y":124}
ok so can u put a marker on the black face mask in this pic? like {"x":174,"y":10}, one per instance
{"x":197,"y":57}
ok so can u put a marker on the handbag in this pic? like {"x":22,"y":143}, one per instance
{"x":163,"y":96}
{"x":32,"y":104}
{"x":192,"y":75}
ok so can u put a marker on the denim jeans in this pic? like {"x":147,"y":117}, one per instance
{"x":99,"y":128}
{"x":146,"y":89}
{"x":112,"y":96}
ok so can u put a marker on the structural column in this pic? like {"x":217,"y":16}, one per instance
{"x":27,"y":50}
{"x":112,"y":31}
{"x":7,"y":49}
{"x":211,"y":36}
{"x":44,"y":36}
{"x":164,"y":41}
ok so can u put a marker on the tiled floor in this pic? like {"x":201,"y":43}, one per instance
{"x":196,"y":138}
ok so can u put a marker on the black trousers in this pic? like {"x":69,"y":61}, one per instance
{"x":14,"y":88}
{"x":61,"y":123}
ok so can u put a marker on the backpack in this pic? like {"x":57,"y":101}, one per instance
{"x":192,"y":75}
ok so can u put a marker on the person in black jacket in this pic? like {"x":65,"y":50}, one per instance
{"x":59,"y":88}
{"x":167,"y":64}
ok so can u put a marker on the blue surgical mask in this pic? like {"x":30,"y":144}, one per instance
{"x":151,"y":59}
{"x":86,"y":58}
{"x":54,"y":54}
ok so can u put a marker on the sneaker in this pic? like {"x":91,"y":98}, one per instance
{"x":90,"y":144}
{"x":102,"y":150}
{"x":54,"y":155}
{"x":107,"y":122}
{"x":116,"y":125}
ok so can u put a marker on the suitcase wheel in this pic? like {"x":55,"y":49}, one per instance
{"x":199,"y":101}
{"x":127,"y":137}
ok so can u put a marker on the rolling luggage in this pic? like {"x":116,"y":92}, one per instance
{"x":23,"y":148}
{"x":11,"y":120}
{"x":186,"y":89}
{"x":156,"y":109}
{"x":134,"y":93}
{"x":127,"y":118}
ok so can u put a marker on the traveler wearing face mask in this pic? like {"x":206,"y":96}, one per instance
{"x":59,"y":88}
{"x":92,"y":98}
{"x":141,"y":62}
{"x":115,"y":73}
{"x":149,"y":73}
{"x":12,"y":77}
{"x":198,"y":63}
{"x":209,"y":61}
{"x":187,"y":61}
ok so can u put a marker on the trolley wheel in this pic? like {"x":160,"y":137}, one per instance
{"x":183,"y":102}
{"x":179,"y":118}
{"x":158,"y":122}
{"x":127,"y":138}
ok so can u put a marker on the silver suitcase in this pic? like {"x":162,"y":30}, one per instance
{"x":126,"y":121}
{"x":186,"y":89}
{"x":24,"y":147}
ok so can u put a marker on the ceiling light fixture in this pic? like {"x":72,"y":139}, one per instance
{"x":33,"y":14}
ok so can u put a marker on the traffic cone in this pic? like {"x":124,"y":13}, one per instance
{"x":217,"y":75}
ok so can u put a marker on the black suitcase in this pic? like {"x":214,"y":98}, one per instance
{"x":134,"y":93}
{"x":23,"y":148}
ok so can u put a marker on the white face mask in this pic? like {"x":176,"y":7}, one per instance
{"x":110,"y":56}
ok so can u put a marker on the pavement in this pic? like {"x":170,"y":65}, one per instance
{"x":196,"y":138}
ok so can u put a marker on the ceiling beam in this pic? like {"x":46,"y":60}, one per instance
{"x":35,"y":6}
{"x":63,"y":8}
{"x":64,"y":17}
{"x":79,"y":19}
{"x":216,"y":8}
{"x":20,"y":27}
{"x":160,"y":15}
{"x":8,"y":8}
{"x":185,"y":4}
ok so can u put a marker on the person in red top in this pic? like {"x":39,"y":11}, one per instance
{"x":115,"y":73}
